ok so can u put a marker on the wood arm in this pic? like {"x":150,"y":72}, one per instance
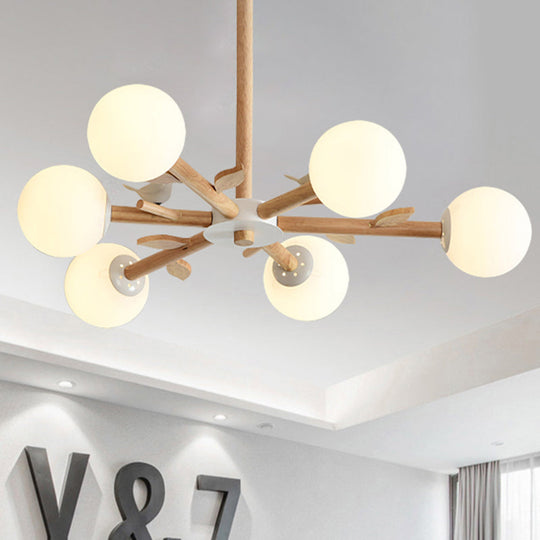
{"x":202,"y":187}
{"x":187,"y":218}
{"x":417,"y":229}
{"x":286,"y":201}
{"x":282,"y":256}
{"x":163,"y":258}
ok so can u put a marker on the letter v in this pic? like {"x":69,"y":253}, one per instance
{"x":57,"y":522}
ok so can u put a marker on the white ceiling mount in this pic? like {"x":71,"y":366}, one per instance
{"x":123,"y":285}
{"x":446,"y":230}
{"x":300,"y":274}
{"x":222,"y":230}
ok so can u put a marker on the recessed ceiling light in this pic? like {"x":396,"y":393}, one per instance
{"x":220,"y":417}
{"x":266,"y":426}
{"x":497,"y":443}
{"x":66,"y":384}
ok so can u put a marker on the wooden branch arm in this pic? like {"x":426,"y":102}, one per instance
{"x":282,"y":256}
{"x":197,"y":183}
{"x":163,"y":258}
{"x":186,"y":218}
{"x":287,"y":201}
{"x":417,"y":229}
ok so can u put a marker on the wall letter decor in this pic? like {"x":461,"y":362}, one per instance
{"x":57,"y":521}
{"x":135,"y":520}
{"x":231,"y":494}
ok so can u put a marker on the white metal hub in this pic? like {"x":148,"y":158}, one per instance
{"x":222,"y":229}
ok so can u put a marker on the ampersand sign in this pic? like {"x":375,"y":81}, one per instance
{"x":135,"y":519}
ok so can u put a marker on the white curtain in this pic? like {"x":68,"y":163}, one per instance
{"x":520,"y":499}
{"x":478,"y":503}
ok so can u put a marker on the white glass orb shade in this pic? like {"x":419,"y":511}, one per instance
{"x":91,"y":294}
{"x":357,"y":169}
{"x":136,"y":132}
{"x":63,"y":211}
{"x":323,"y":291}
{"x":486,"y":232}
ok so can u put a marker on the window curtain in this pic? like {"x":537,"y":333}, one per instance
{"x":478,"y":503}
{"x":520,"y":499}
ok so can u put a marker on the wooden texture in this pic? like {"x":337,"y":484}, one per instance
{"x":418,"y":229}
{"x":282,"y":256}
{"x":229,"y":179}
{"x":286,"y":201}
{"x":179,"y":269}
{"x":394,"y":217}
{"x":197,"y":183}
{"x":186,"y":218}
{"x":249,"y":252}
{"x":314,"y":201}
{"x":162,"y":241}
{"x":158,"y":210}
{"x":244,"y":238}
{"x":301,"y":181}
{"x":244,"y":95}
{"x":163,"y":258}
{"x":244,"y":108}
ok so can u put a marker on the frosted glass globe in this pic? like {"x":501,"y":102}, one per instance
{"x":91,"y":294}
{"x":357,"y":169}
{"x":486,"y":232}
{"x":63,"y":211}
{"x":323,"y":291}
{"x":136,"y":132}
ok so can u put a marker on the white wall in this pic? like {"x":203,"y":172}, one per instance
{"x":289,"y":491}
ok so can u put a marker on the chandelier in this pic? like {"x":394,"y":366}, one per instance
{"x":357,"y":169}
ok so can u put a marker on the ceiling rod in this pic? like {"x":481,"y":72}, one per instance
{"x":244,"y":108}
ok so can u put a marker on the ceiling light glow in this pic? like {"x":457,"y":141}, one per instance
{"x":136,"y":132}
{"x":357,"y":169}
{"x":323,"y":290}
{"x":63,"y":211}
{"x":486,"y":232}
{"x":92,"y":295}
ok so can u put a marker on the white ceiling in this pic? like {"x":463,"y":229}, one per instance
{"x":437,"y":410}
{"x":453,"y":80}
{"x":441,"y":436}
